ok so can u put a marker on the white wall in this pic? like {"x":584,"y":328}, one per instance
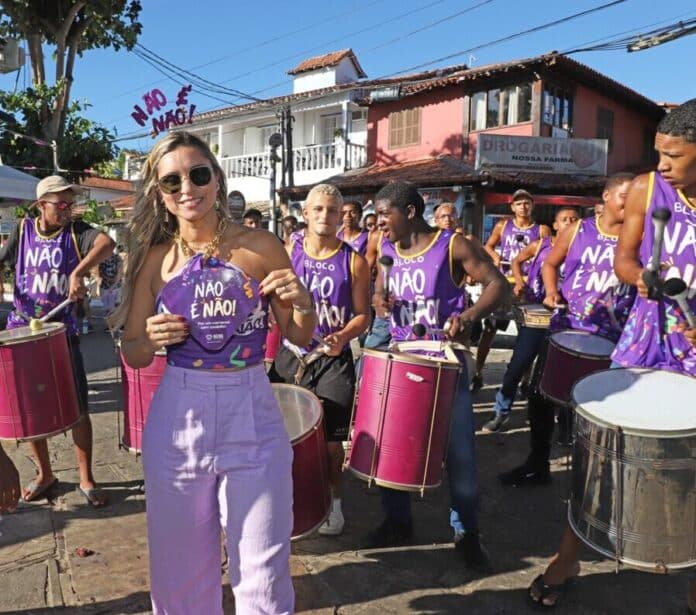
{"x":314,"y":80}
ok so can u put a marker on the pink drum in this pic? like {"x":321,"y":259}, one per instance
{"x":572,"y":355}
{"x":273,"y":339}
{"x":38,"y":396}
{"x":139,"y":386}
{"x":304,"y":422}
{"x":400,"y":425}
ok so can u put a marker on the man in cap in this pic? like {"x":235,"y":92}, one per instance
{"x":51,"y":255}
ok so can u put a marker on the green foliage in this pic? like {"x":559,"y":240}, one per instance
{"x":25,"y":211}
{"x":84,"y":143}
{"x":93,"y":215}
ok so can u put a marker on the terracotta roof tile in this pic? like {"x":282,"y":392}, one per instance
{"x":108,"y":183}
{"x":326,"y":60}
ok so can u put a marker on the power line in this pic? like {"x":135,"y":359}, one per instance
{"x":510,"y":37}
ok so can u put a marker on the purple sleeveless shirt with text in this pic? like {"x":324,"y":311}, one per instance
{"x":358,"y":243}
{"x":330,"y":280}
{"x":651,"y":338}
{"x":512,"y":241}
{"x":42,"y":274}
{"x":422,"y":286}
{"x":227,"y":315}
{"x":597,"y":301}
{"x":535,"y":293}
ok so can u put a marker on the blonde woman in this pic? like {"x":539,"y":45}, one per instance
{"x":215,"y":451}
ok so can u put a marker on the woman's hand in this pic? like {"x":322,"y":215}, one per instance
{"x":166,"y":329}
{"x":553,"y":300}
{"x":287,"y":287}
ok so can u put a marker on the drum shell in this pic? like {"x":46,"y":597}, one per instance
{"x":532,"y":316}
{"x":401,"y":423}
{"x":310,"y":471}
{"x":646,"y":482}
{"x":139,"y":387}
{"x":38,"y":396}
{"x":564,"y":367}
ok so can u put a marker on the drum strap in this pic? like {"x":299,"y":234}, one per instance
{"x":305,"y":361}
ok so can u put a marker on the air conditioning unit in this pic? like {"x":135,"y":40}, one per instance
{"x":11,"y":56}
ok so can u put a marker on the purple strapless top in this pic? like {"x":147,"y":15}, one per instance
{"x":227,"y":314}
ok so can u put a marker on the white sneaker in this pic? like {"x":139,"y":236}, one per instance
{"x":333,"y":526}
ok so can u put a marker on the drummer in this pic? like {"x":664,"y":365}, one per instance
{"x":338,"y":278}
{"x":656,"y":334}
{"x":510,"y":235}
{"x":593,"y":300}
{"x":351,"y":233}
{"x":37,"y":249}
{"x":215,"y":451}
{"x":529,"y":339}
{"x":440,"y":259}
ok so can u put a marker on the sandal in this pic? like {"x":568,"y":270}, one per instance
{"x":547,"y":591}
{"x":94,"y":496}
{"x":33,"y":491}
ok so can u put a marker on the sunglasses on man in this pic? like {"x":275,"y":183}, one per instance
{"x":61,"y":205}
{"x":199,"y":176}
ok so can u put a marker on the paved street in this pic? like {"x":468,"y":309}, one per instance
{"x":40,"y":571}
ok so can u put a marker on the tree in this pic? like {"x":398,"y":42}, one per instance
{"x":72,"y":27}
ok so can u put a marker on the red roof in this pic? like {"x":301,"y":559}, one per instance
{"x":328,"y":59}
{"x":108,"y":183}
{"x":446,"y":170}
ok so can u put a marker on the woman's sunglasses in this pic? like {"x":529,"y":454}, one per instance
{"x":199,"y":176}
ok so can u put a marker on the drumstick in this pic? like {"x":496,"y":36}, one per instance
{"x":420,"y":330}
{"x":675,"y":288}
{"x":387,"y":263}
{"x":651,"y":275}
{"x":61,"y":306}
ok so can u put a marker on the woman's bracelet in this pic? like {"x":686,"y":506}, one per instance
{"x":303,"y":310}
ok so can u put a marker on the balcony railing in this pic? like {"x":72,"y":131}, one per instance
{"x":332,"y":157}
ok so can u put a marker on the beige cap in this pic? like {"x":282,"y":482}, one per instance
{"x":520,"y":194}
{"x":55,"y":183}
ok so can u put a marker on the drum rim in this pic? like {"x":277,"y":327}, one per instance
{"x":391,"y":485}
{"x":631,"y":431}
{"x":578,"y":353}
{"x":310,"y":431}
{"x":43,"y":436}
{"x":412,"y":359}
{"x":49,"y":329}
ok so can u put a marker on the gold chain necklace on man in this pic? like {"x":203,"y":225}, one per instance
{"x":209,"y":248}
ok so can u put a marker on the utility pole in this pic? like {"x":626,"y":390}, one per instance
{"x":289,"y":155}
{"x":275,"y":141}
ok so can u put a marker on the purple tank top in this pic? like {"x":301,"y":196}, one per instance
{"x":358,"y":243}
{"x":42,"y":274}
{"x":535,"y":292}
{"x":513,"y":239}
{"x":330,"y":280}
{"x":423,"y":288}
{"x":651,"y":338}
{"x":597,"y":301}
{"x":227,"y":315}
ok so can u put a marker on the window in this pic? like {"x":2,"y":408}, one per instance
{"x":605,"y":125}
{"x":265,"y":133}
{"x":557,"y":107}
{"x":359,"y":116}
{"x":501,"y":107}
{"x":329,"y":125}
{"x":648,"y":153}
{"x":404,"y":128}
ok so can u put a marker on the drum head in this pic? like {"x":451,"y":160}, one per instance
{"x":583,"y":343}
{"x":641,"y":401}
{"x":429,"y":352}
{"x":535,"y":308}
{"x":301,"y":409}
{"x":25,"y":334}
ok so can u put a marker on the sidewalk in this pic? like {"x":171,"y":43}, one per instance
{"x":40,"y":571}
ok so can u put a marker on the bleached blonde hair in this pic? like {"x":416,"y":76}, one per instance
{"x":328,"y":189}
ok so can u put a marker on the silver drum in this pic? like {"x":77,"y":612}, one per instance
{"x":633,"y":493}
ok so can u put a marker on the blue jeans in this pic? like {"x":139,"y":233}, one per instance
{"x":379,"y":333}
{"x":527,"y":348}
{"x":461,"y":470}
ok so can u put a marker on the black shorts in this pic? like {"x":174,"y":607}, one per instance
{"x":79,"y":373}
{"x":495,"y":324}
{"x":331,"y":379}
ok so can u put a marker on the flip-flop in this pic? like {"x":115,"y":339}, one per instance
{"x":94,"y":496}
{"x":34,"y":491}
{"x":547,"y":591}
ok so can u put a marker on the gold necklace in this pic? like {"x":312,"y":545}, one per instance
{"x":209,"y":249}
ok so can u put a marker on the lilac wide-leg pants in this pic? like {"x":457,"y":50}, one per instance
{"x":216,"y":455}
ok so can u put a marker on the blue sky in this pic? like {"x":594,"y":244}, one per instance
{"x":249,"y":45}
